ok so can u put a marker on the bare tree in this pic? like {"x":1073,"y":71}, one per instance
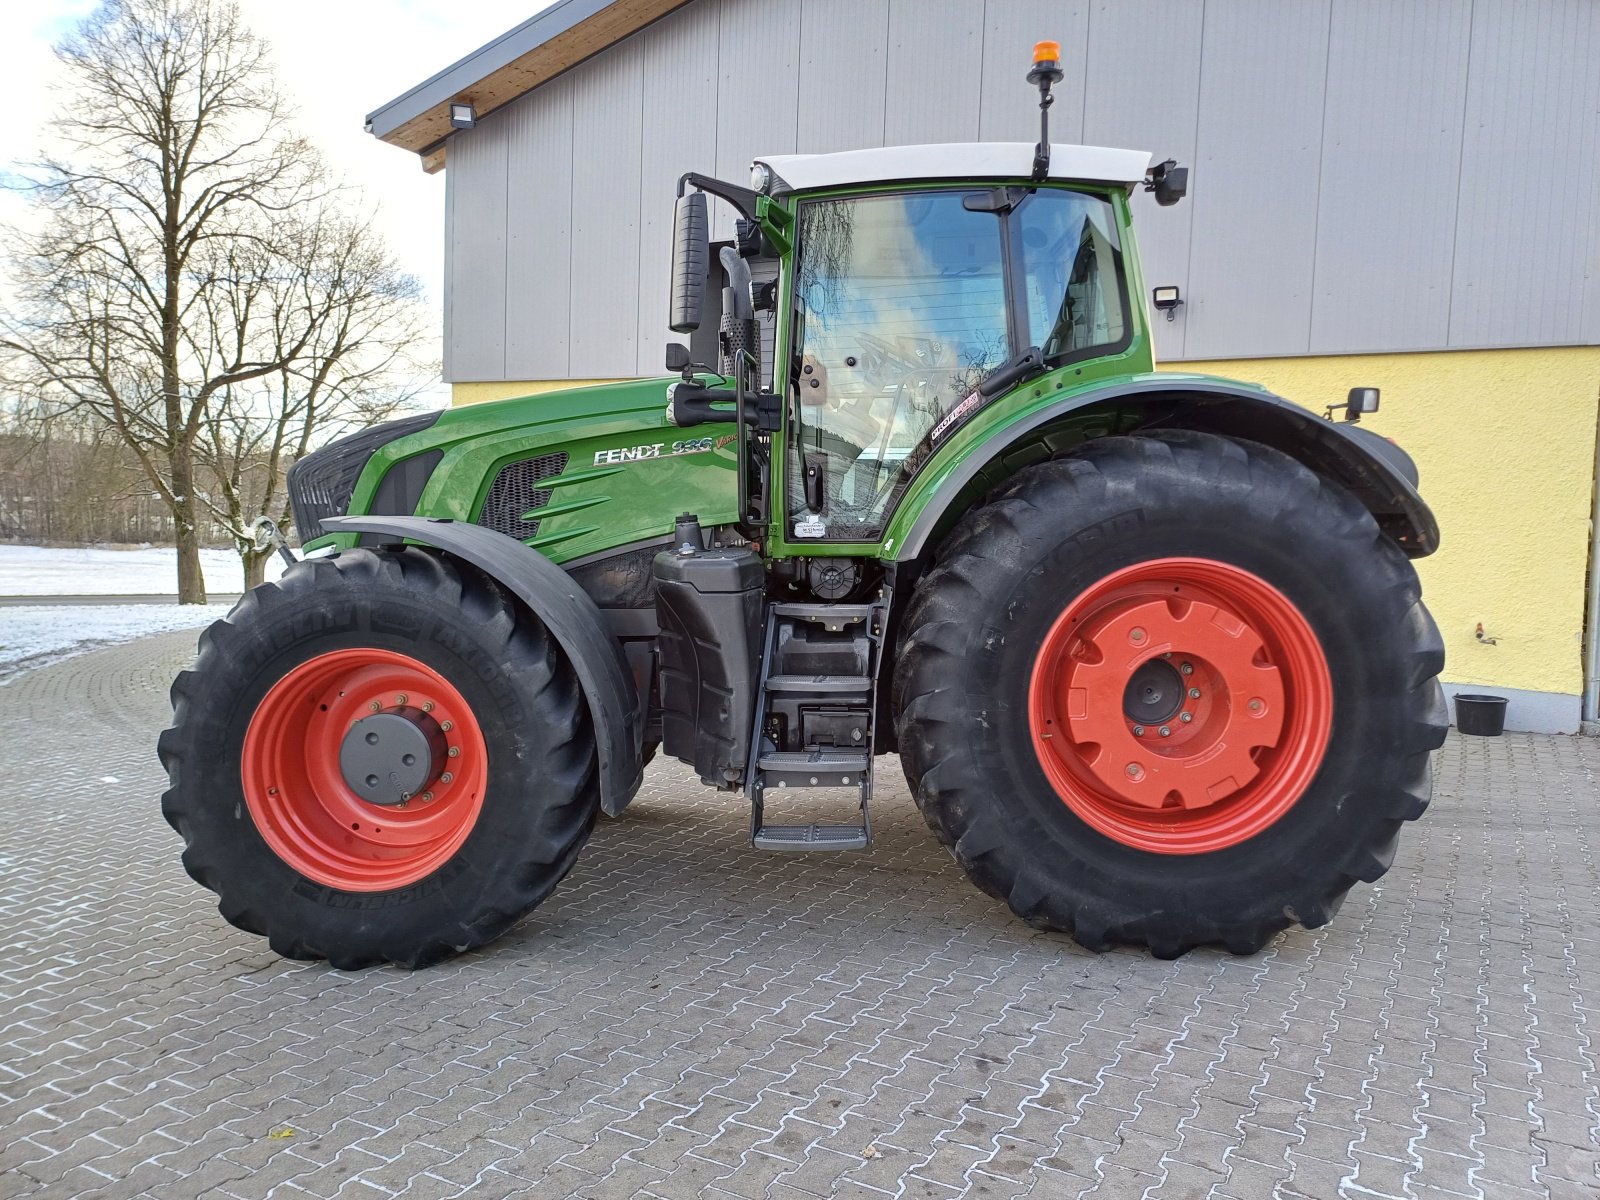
{"x":171,"y":275}
{"x":339,"y":295}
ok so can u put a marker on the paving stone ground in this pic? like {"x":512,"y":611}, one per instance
{"x":687,"y":1017}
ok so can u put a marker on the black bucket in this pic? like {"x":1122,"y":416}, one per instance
{"x":1481,"y":715}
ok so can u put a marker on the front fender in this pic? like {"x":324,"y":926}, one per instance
{"x":572,"y":619}
{"x":1379,"y":473}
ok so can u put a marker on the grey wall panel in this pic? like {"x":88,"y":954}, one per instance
{"x":1009,"y":105}
{"x":935,"y":71}
{"x":1526,"y":226}
{"x":844,"y":66}
{"x":608,"y":95}
{"x":1366,"y":176}
{"x":1142,"y":91}
{"x":679,"y":56}
{"x":1391,"y":153}
{"x":1257,"y":156}
{"x":539,"y":233}
{"x":759,"y":90}
{"x":478,"y":254}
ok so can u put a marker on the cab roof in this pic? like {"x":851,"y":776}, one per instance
{"x":953,"y":160}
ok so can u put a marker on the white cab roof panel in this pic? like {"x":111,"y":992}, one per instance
{"x":954,"y":160}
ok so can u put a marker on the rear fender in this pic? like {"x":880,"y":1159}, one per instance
{"x":572,"y":619}
{"x":1379,"y":473}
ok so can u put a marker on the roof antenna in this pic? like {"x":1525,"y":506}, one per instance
{"x":1046,"y":70}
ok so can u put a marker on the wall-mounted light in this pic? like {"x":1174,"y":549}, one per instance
{"x":463,"y":116}
{"x":1167,"y":299}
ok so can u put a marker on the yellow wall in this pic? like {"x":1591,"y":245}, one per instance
{"x":1505,"y":442}
{"x":476,"y":393}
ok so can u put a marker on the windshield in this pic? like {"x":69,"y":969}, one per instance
{"x":902,"y":310}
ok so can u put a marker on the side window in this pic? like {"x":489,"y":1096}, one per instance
{"x":1072,"y":268}
{"x":904,"y":304}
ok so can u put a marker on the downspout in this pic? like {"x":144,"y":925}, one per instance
{"x":1591,"y":620}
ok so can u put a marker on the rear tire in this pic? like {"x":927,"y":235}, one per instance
{"x":256,"y":785}
{"x":1085,"y":820}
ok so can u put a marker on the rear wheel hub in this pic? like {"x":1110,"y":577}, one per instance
{"x":1181,"y":705}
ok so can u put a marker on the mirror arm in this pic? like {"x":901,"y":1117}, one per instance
{"x":742,"y":198}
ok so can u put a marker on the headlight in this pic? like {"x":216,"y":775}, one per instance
{"x":760,"y":177}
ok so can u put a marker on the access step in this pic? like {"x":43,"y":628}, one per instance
{"x":811,"y":837}
{"x":829,"y":616}
{"x":822,"y":767}
{"x":819,"y":685}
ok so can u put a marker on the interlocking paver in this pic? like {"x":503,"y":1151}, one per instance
{"x":689,"y":1018}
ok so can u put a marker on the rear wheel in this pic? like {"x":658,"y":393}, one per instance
{"x":1171,"y":690}
{"x":379,"y":758}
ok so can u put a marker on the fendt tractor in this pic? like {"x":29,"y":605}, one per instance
{"x":1150,"y":646}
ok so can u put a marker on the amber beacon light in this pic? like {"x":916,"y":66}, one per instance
{"x":1046,"y":70}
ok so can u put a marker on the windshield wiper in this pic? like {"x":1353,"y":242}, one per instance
{"x":1006,"y":376}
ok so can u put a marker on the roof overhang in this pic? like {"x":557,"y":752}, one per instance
{"x":535,"y":52}
{"x":955,"y":160}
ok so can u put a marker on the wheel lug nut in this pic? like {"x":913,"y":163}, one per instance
{"x":448,"y":726}
{"x":375,"y":706}
{"x":1136,"y":635}
{"x":446,"y":777}
{"x":1186,"y":669}
{"x":1135,"y":771}
{"x":455,"y":751}
{"x":400,"y":699}
{"x":1185,"y":717}
{"x":427,"y":706}
{"x":1256,"y":706}
{"x":1166,"y":731}
{"x":1138,"y":731}
{"x":427,"y":797}
{"x":1194,"y":693}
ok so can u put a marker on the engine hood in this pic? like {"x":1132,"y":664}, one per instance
{"x":572,"y":473}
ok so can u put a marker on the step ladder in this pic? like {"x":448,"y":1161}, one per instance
{"x":814,"y":716}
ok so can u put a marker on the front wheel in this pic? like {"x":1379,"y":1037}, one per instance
{"x":379,"y":758}
{"x":1171,"y":690}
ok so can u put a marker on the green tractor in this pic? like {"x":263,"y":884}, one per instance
{"x":1149,"y":646}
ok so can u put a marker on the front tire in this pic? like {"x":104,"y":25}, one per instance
{"x":1171,"y":690}
{"x":379,"y":758}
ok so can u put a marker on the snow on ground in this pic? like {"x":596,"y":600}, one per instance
{"x":33,"y":635}
{"x":150,"y":571}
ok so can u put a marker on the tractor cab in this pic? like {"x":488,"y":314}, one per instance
{"x":915,"y":284}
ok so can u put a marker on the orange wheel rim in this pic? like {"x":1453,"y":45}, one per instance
{"x":308,"y":811}
{"x":1180,"y":705}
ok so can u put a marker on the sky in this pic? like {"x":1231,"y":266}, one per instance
{"x":337,"y":60}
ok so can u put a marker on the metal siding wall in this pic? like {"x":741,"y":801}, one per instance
{"x":1142,"y":87}
{"x":679,"y":55}
{"x":478,"y":254}
{"x":760,"y":90}
{"x":1391,"y":152}
{"x":935,"y":71}
{"x":539,"y":233}
{"x":607,"y":94}
{"x":1365,"y":176}
{"x":1526,"y":241}
{"x":1009,"y":109}
{"x":844,"y":65}
{"x":1256,"y":165}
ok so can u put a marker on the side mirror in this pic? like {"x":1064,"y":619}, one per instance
{"x":691,"y":252}
{"x":1360,"y":402}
